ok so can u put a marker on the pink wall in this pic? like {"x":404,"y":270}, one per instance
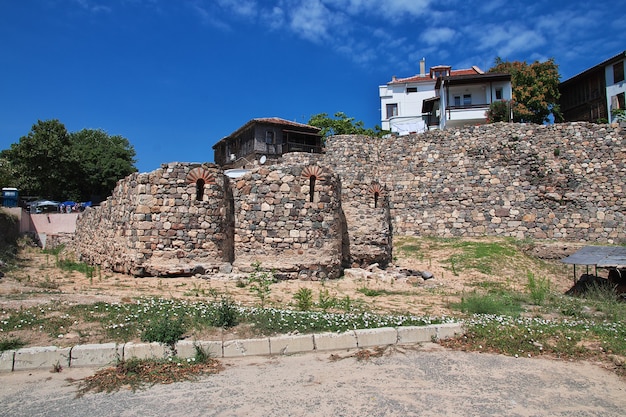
{"x":54,"y":223}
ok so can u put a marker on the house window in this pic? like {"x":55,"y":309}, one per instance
{"x":457,"y":101}
{"x":392,"y":110}
{"x":269,"y":137}
{"x":618,"y":72}
{"x":467,"y":99}
{"x":498,"y":94}
{"x":621,"y":102}
{"x":411,"y":89}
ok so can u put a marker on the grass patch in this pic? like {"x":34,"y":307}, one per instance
{"x":371,"y":292}
{"x":11,"y":343}
{"x":479,"y":256}
{"x":495,"y":303}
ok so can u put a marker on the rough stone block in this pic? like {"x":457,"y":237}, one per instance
{"x":250,"y":347}
{"x":41,"y":357}
{"x":285,"y":345}
{"x":376,"y":337}
{"x":335,"y":341}
{"x":145,"y":351}
{"x":449,"y":330}
{"x":416,"y":334}
{"x":186,"y":348}
{"x":96,"y":355}
{"x":6,"y":360}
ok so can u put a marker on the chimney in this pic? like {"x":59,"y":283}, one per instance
{"x":394,"y":79}
{"x":423,"y":67}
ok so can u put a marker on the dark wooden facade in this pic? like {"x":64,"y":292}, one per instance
{"x":269,"y":137}
{"x":584,"y":96}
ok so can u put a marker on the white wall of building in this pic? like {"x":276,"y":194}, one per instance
{"x":409,"y":117}
{"x":613,"y":88}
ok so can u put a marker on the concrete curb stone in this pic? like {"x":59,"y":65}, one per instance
{"x":247,"y":347}
{"x":376,"y":337}
{"x":93,"y":354}
{"x":335,"y":341}
{"x":285,"y":345}
{"x":187,"y":348}
{"x":41,"y":357}
{"x":108,"y":353}
{"x":145,"y":351}
{"x":6,"y":360}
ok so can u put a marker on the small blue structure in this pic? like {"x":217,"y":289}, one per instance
{"x":9,"y":197}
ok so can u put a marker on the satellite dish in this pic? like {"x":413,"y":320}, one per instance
{"x":263,"y":159}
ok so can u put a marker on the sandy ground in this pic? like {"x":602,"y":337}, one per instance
{"x":39,"y":282}
{"x":424,"y":381}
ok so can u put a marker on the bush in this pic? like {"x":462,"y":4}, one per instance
{"x":165,"y":330}
{"x":499,"y":111}
{"x":260,"y":282}
{"x":304,"y":299}
{"x":226,"y":314}
{"x":539,"y":289}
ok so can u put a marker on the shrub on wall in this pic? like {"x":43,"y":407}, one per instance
{"x":499,"y":111}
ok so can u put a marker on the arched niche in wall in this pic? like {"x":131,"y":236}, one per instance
{"x":377,"y":191}
{"x":201,"y":177}
{"x":314,"y":174}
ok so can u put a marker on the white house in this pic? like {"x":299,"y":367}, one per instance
{"x":415,"y":104}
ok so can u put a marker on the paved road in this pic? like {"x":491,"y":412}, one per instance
{"x":430,"y":381}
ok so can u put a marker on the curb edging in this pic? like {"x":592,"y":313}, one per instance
{"x":95,"y":355}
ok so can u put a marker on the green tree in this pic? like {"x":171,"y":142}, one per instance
{"x":103,"y":160}
{"x":341,"y":124}
{"x":535,"y":89}
{"x":6,"y":173}
{"x":49,"y":162}
{"x":42,"y":162}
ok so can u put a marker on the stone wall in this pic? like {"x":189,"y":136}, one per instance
{"x":564,"y":181}
{"x":155,"y":224}
{"x":288,"y":218}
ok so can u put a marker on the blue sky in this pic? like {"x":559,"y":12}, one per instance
{"x":175,"y":76}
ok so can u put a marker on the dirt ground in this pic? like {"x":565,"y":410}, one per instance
{"x":420,"y":381}
{"x":39,"y":282}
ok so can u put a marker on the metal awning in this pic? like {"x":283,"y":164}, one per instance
{"x":600,"y":256}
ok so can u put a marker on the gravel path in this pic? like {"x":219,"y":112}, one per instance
{"x":429,"y":381}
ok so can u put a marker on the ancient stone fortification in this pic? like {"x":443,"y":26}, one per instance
{"x":314,"y":213}
{"x":565,"y":181}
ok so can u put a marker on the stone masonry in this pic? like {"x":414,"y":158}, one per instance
{"x":313,"y":214}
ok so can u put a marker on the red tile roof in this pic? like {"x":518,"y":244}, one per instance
{"x":426,"y":78}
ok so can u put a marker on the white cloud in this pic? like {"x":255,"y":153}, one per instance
{"x":389,"y":8}
{"x":312,"y":20}
{"x":92,"y":6}
{"x":437,"y":36}
{"x":243,"y":8}
{"x":506,"y":41}
{"x":207,"y":17}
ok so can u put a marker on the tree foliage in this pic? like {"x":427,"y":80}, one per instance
{"x":535,"y":89}
{"x":50,"y":162}
{"x":103,"y":161}
{"x":341,"y":124}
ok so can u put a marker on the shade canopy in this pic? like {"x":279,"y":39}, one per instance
{"x":600,"y":256}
